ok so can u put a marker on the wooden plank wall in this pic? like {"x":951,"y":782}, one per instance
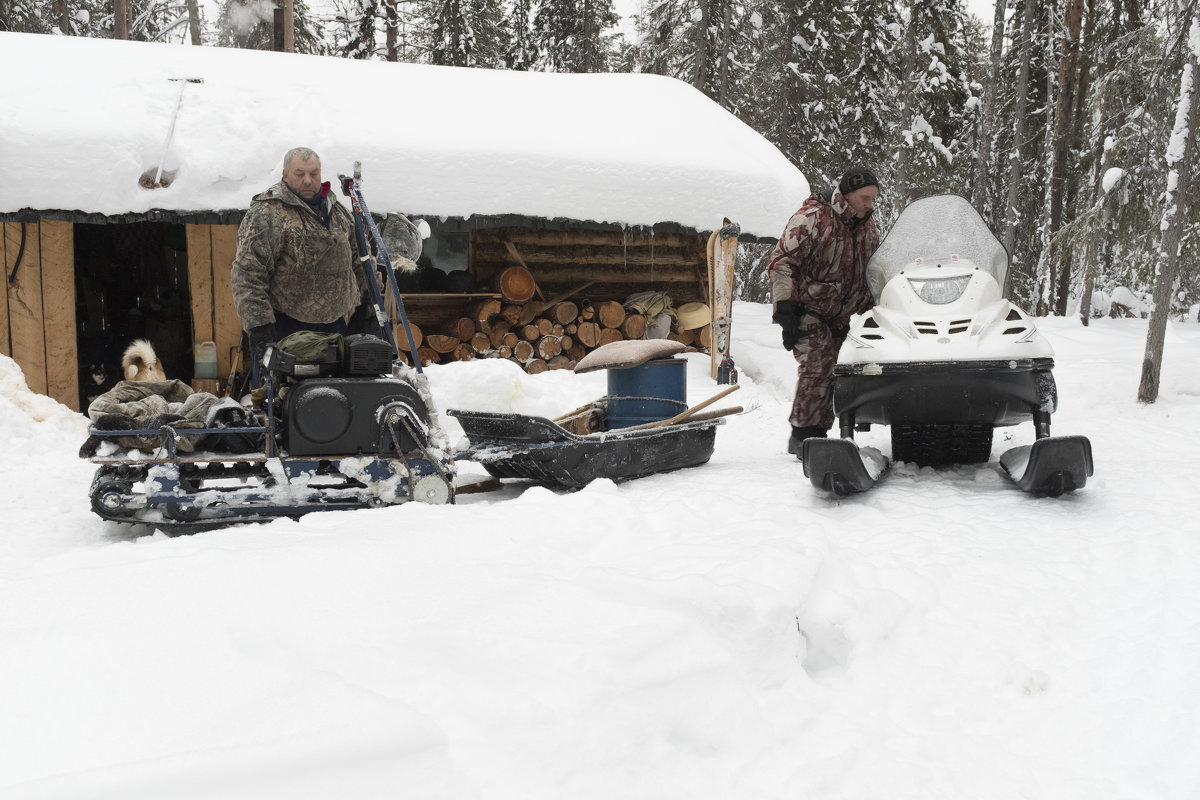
{"x":211,"y":249}
{"x":39,"y":309}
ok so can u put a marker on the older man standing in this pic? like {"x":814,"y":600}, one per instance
{"x":296,"y":266}
{"x":818,"y":281}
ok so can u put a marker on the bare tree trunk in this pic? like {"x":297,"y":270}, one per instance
{"x":1104,"y":199}
{"x":724,"y":47}
{"x":700,"y":65}
{"x":1061,"y":143}
{"x":391,"y":21}
{"x":63,"y":13}
{"x":1078,"y":114}
{"x":987,"y":111}
{"x":1179,"y":179}
{"x":289,"y":26}
{"x":121,"y":19}
{"x":902,"y":177}
{"x":193,"y":9}
{"x":1020,"y":114}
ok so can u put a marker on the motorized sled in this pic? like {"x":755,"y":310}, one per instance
{"x":342,"y":424}
{"x":943,"y":359}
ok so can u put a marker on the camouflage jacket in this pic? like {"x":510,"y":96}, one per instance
{"x":289,"y":261}
{"x":821,"y":259}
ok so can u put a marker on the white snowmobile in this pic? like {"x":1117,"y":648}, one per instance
{"x":943,"y":359}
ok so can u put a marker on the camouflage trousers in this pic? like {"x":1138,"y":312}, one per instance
{"x":816,"y":355}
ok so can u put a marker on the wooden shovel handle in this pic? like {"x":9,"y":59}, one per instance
{"x":533,"y":307}
{"x":684,"y":415}
{"x":572,"y":292}
{"x":681,"y":416}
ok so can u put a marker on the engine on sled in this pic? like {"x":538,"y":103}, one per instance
{"x":336,"y":431}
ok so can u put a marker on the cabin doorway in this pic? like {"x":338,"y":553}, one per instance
{"x":131,"y":282}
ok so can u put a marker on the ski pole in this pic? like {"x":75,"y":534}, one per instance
{"x":356,"y":186}
{"x":364,"y":260}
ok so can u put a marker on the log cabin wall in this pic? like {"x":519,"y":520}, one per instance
{"x":619,"y":263}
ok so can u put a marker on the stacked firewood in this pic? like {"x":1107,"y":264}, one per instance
{"x":538,"y":336}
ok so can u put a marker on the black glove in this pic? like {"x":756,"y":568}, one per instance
{"x":787,"y":316}
{"x":363,"y":320}
{"x":261,"y":336}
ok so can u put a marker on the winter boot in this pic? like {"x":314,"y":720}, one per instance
{"x":800,"y":434}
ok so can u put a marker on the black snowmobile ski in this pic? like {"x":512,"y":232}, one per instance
{"x":839,"y":466}
{"x":1050,"y":466}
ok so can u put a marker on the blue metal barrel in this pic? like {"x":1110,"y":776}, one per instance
{"x":653,"y":391}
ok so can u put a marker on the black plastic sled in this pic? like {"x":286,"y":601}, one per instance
{"x":537,"y":449}
{"x":838,"y":466}
{"x":1050,"y":466}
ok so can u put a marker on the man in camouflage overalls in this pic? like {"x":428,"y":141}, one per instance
{"x":296,"y":266}
{"x":818,"y":281}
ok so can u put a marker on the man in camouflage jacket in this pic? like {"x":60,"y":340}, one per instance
{"x":818,"y":281}
{"x":296,"y":266}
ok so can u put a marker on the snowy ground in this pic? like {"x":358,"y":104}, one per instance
{"x":721,"y":632}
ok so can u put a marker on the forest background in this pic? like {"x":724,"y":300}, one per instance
{"x":1067,"y":123}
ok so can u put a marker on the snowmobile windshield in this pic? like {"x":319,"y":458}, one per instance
{"x":937,"y":230}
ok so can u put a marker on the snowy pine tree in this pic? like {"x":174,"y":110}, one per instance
{"x":800,"y":85}
{"x":571,"y":35}
{"x":520,"y":53}
{"x":933,"y":121}
{"x":467,"y":33}
{"x":26,"y":16}
{"x":452,"y":39}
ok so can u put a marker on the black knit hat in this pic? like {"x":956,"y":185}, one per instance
{"x":855,"y":178}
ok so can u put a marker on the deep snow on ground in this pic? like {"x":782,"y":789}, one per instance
{"x":719,"y":632}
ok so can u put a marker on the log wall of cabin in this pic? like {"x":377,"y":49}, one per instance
{"x":37,"y":321}
{"x":620,"y":263}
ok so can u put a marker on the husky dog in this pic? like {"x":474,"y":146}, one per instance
{"x":140,"y":362}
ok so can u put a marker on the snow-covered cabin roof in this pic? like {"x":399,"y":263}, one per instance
{"x":82,"y":119}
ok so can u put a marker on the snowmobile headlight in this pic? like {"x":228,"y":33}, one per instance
{"x":939,"y":291}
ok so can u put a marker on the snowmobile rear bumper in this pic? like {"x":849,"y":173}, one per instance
{"x":959,"y":392}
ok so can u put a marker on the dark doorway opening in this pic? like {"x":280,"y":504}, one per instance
{"x":131,"y":282}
